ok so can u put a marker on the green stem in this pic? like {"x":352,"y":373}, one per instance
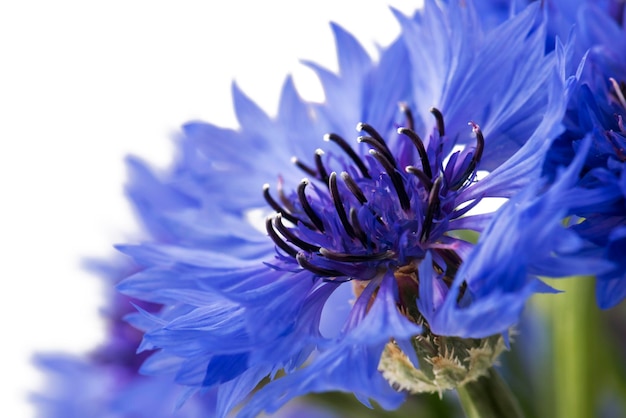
{"x":573,"y":331}
{"x":489,"y":397}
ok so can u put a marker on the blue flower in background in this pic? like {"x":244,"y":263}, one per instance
{"x":596,"y":110}
{"x":106,"y":382}
{"x":364,"y":254}
{"x":82,"y":388}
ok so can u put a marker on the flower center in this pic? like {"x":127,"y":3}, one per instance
{"x":362,"y":213}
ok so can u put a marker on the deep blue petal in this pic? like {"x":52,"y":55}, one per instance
{"x":611,"y":286}
{"x":499,"y":276}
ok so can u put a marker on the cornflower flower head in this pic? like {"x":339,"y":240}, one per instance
{"x":596,"y":110}
{"x":359,"y":276}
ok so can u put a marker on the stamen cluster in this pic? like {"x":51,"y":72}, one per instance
{"x":370,"y":213}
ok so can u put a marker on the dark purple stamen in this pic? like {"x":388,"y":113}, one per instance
{"x":396,"y":180}
{"x":351,"y":153}
{"x":433,"y":206}
{"x":323,"y":174}
{"x":291,"y":237}
{"x":476,"y":156}
{"x":320,"y":271}
{"x":381,"y":148}
{"x":480,"y":142}
{"x":410,"y":123}
{"x":306,"y":206}
{"x":423,"y":178}
{"x":270,"y":201}
{"x":354,"y":188}
{"x":355,"y":258}
{"x":439,"y":117}
{"x":287,"y":204}
{"x":374,"y":134}
{"x":341,"y":211}
{"x":419,"y":144}
{"x":277,"y":239}
{"x":310,"y":171}
{"x":356,"y":225}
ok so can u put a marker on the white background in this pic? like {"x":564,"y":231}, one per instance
{"x":84,"y":83}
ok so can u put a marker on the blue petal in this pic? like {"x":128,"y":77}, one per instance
{"x":523,"y":237}
{"x":352,"y":57}
{"x":350,"y":364}
{"x":611,"y":286}
{"x":155,"y":254}
{"x":465,"y":74}
{"x":250,"y":116}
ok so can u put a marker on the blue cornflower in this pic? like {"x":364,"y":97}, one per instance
{"x":363,"y":254}
{"x":596,"y":111}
